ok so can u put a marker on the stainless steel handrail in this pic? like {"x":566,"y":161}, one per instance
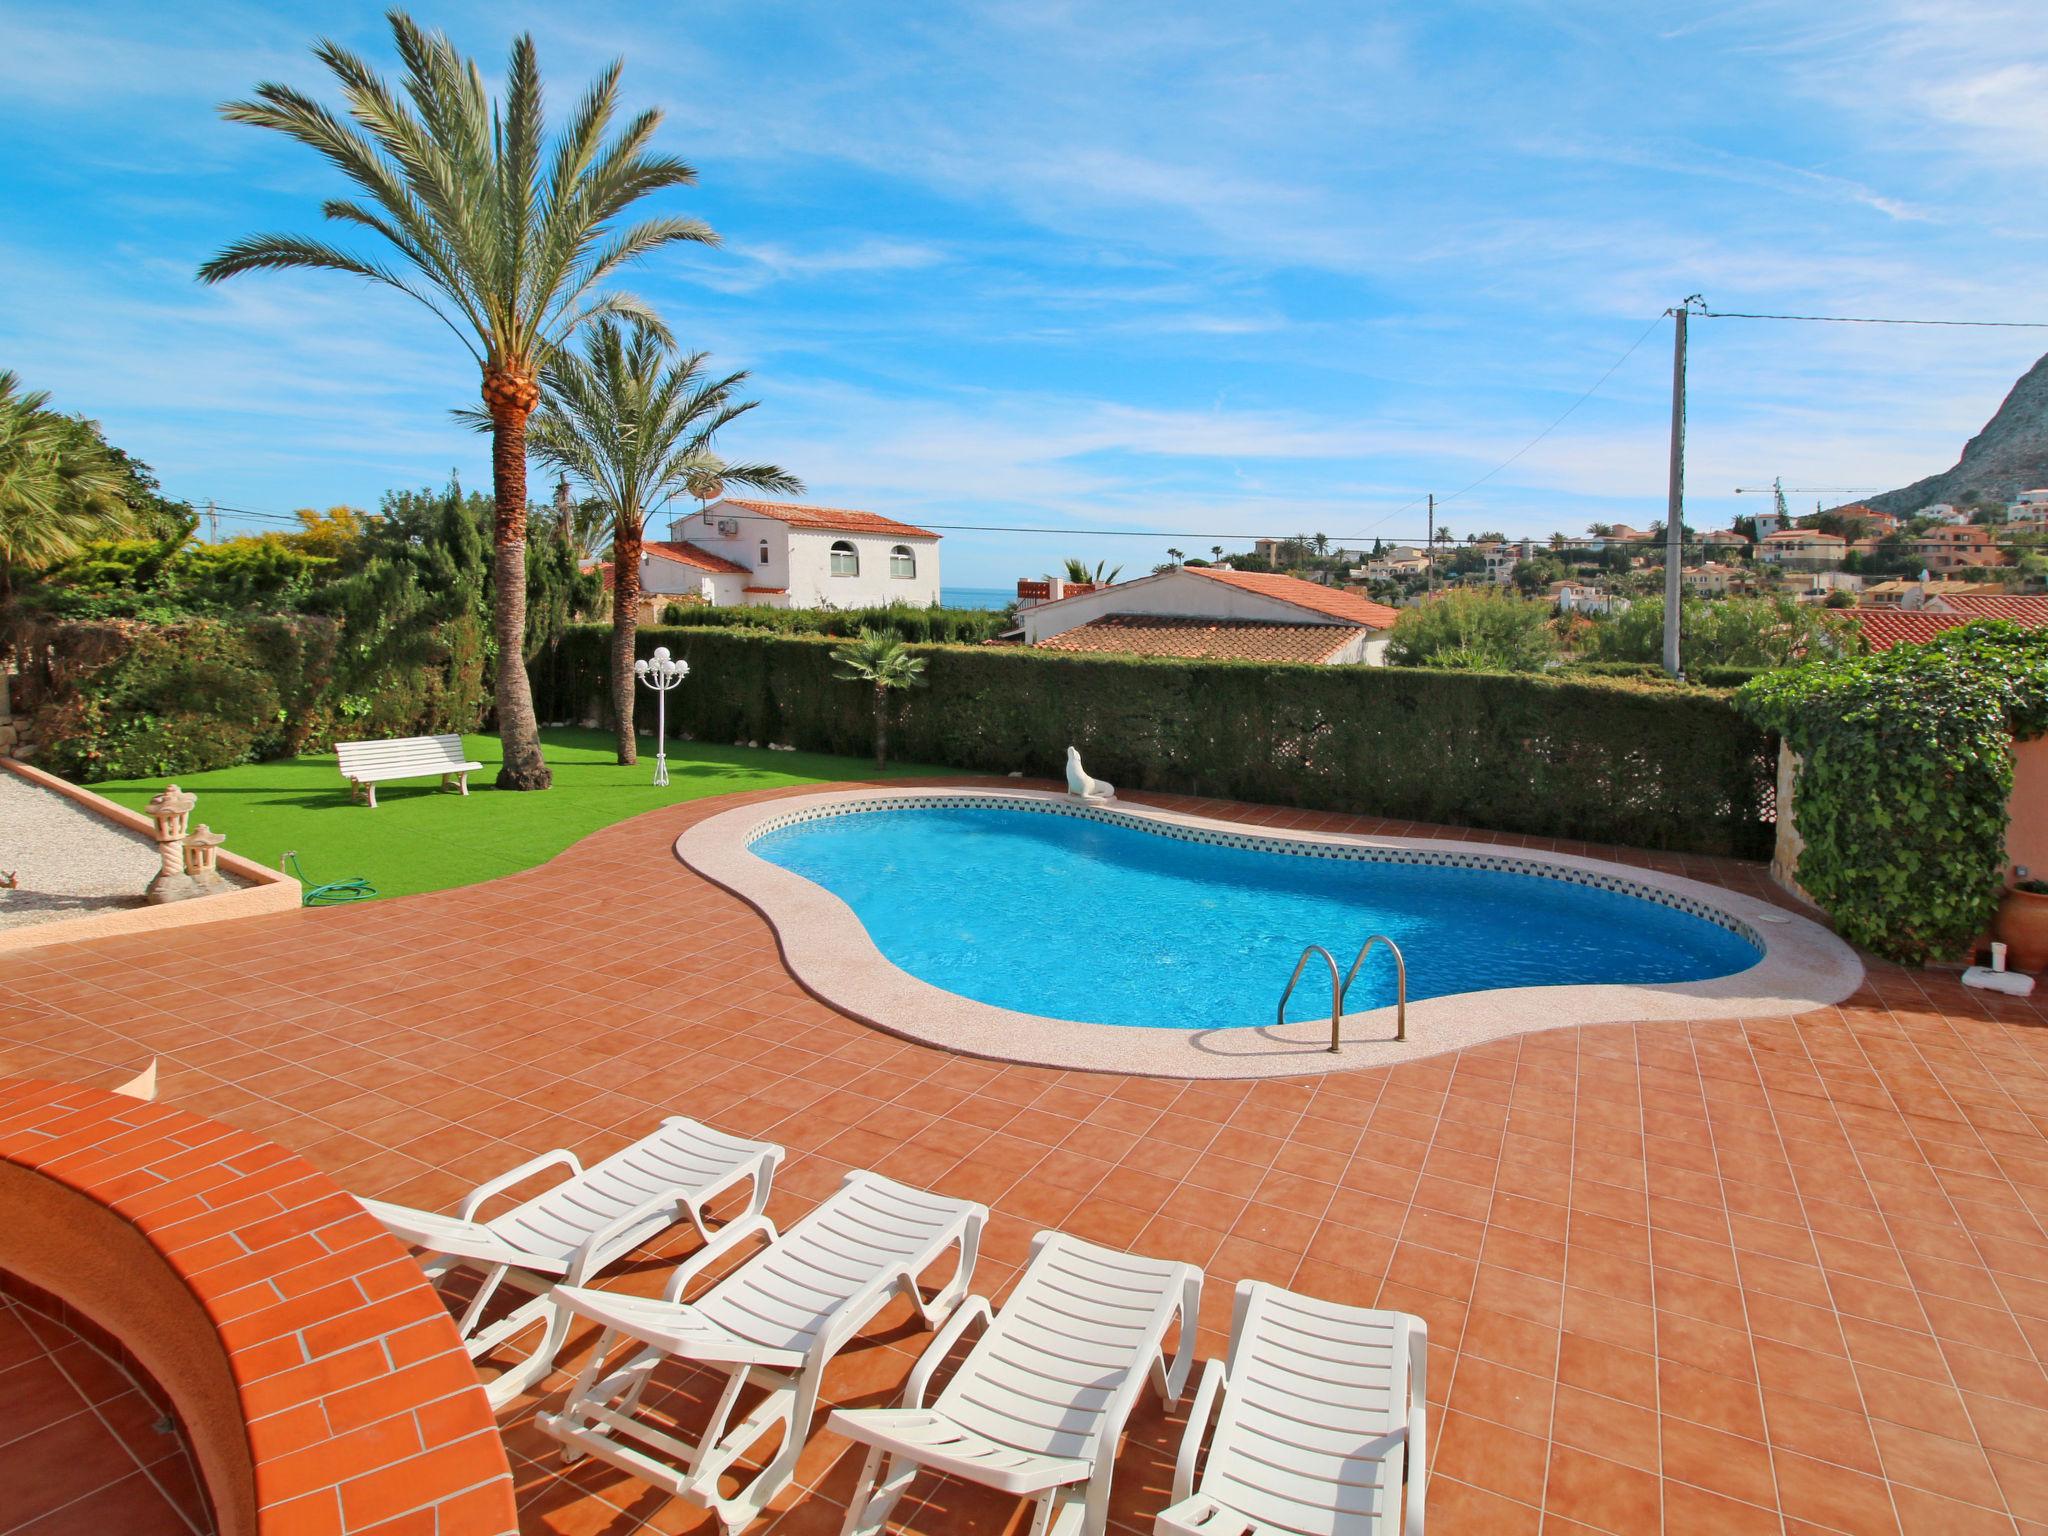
{"x":1340,"y":989}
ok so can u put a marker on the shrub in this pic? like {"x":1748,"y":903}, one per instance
{"x":1904,"y":793}
{"x":1732,"y":631}
{"x":904,"y":621}
{"x":1474,"y":631}
{"x":1657,"y":766}
{"x":134,"y":700}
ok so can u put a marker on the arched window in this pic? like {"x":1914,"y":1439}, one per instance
{"x":845,"y":559}
{"x":902,"y":562}
{"x":764,"y":552}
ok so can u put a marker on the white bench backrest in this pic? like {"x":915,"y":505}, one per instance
{"x":407,"y":754}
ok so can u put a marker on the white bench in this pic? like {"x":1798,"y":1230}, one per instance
{"x":366,"y":764}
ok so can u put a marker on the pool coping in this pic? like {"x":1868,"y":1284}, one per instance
{"x":828,"y":950}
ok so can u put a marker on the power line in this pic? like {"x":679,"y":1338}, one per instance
{"x":1504,"y":463}
{"x":2001,"y":325}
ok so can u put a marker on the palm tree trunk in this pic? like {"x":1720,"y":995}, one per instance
{"x":881,"y":725}
{"x":625,"y":629}
{"x":510,"y":400}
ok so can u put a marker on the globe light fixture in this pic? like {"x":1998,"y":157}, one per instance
{"x":661,"y":672}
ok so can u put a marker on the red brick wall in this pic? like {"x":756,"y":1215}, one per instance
{"x":318,"y":1377}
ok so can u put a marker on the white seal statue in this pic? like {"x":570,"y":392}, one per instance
{"x":1079,"y":785}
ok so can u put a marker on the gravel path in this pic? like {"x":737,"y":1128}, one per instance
{"x":70,"y":863}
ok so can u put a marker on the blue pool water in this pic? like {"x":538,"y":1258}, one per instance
{"x":1072,"y":918}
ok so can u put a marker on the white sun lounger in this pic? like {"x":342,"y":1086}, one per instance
{"x":777,"y":1321}
{"x":1321,"y":1407}
{"x":1038,"y":1406}
{"x":572,"y":1231}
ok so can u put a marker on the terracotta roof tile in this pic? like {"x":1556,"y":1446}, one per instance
{"x":1146,"y":634}
{"x":1884,"y":628}
{"x":1334,"y":602}
{"x":844,"y":519}
{"x":682,"y":552}
{"x":2030,"y":611}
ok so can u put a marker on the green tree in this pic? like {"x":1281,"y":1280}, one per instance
{"x":1103,"y":575}
{"x":59,"y":488}
{"x":633,"y":419}
{"x":1731,"y":632}
{"x":885,"y":664}
{"x":1474,"y":631}
{"x":507,"y":240}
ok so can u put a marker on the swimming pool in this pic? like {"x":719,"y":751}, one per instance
{"x":1033,"y":907}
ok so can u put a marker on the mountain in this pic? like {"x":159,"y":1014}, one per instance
{"x":2009,"y":456}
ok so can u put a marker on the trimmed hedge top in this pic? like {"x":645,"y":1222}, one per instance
{"x":1650,"y":765}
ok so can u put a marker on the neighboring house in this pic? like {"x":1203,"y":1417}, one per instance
{"x":1949,"y":549}
{"x":1978,"y":604}
{"x":1802,"y":549}
{"x":815,"y":557}
{"x":1215,"y":613}
{"x":2029,"y":510}
{"x":673,"y":571}
{"x":1584,"y":597}
{"x":1884,"y":628}
{"x":1821,"y":584}
{"x":1709,"y":580}
{"x":1880,"y":523}
{"x":1050,"y":589}
{"x":1768,"y":523}
{"x":1943,"y":512}
{"x":1392,"y":564}
{"x":1622,"y":535}
{"x":1501,"y":562}
{"x":1910,"y":596}
{"x":1725,"y":540}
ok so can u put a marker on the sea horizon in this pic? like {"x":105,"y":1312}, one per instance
{"x":976,"y":597}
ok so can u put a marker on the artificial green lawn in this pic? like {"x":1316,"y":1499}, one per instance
{"x":420,"y":839}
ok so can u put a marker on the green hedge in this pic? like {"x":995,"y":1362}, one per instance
{"x":1609,"y":761}
{"x":1650,"y":671}
{"x":124,"y":698}
{"x":905,"y":622}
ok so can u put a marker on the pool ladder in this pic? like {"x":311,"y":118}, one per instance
{"x":1338,"y":989}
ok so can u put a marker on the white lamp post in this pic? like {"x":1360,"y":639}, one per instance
{"x":661,"y":674}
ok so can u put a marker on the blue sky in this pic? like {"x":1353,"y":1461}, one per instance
{"x":1195,"y":268}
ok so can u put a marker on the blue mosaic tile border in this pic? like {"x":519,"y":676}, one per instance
{"x":1292,"y":847}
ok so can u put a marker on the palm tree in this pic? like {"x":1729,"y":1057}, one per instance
{"x":883,"y":662}
{"x":1216,"y":552}
{"x":59,"y":488}
{"x":1175,"y":555}
{"x":1104,"y":574}
{"x":507,"y":239}
{"x":1322,"y":543}
{"x":633,"y":420}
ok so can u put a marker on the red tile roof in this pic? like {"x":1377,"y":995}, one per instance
{"x":843,"y":519}
{"x":2030,"y":611}
{"x":1884,"y":628}
{"x":1146,"y":634}
{"x":677,"y":552}
{"x":682,"y":552}
{"x":1331,"y":601}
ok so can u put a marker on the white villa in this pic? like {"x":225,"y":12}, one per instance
{"x":1213,"y":612}
{"x":2031,"y":508}
{"x":779,"y":554}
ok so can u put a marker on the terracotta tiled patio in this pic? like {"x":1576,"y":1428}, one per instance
{"x":1784,"y":1274}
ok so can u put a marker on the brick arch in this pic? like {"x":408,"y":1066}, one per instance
{"x":317,"y":1377}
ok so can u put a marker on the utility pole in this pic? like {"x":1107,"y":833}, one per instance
{"x":212,"y":523}
{"x":1430,"y":543}
{"x":1674,"y":514}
